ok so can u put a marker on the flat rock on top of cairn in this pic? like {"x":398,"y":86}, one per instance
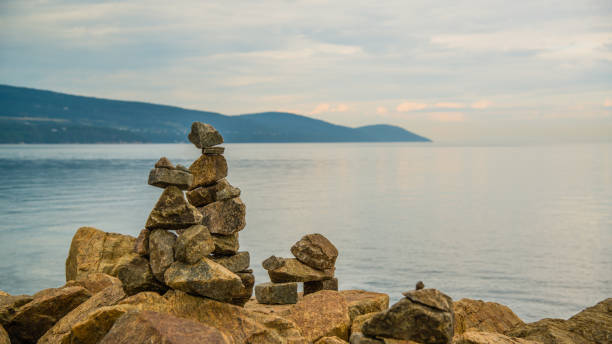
{"x":315,"y":251}
{"x":204,"y":135}
{"x":163,"y":162}
{"x":173,"y":212}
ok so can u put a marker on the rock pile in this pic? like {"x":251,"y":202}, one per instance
{"x":191,"y":244}
{"x":314,"y":265}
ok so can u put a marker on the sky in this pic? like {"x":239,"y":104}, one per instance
{"x":454,"y":71}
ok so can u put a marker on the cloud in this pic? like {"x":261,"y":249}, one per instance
{"x":381,"y":110}
{"x":410,"y":106}
{"x":481,"y":104}
{"x":447,"y":105}
{"x":446,"y":116}
{"x":326,"y":107}
{"x":608,"y":102}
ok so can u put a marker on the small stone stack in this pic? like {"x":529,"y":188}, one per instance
{"x":314,"y":265}
{"x":202,"y":258}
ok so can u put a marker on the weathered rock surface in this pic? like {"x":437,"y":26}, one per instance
{"x":322,"y":314}
{"x":95,"y":283}
{"x":273,"y":263}
{"x":204,"y":135}
{"x":226,"y":244}
{"x":161,"y":252}
{"x":193,"y":244}
{"x":141,"y":246}
{"x":48,"y":306}
{"x":483,"y":316}
{"x":280,"y":310}
{"x":331,"y":340}
{"x":219,"y":191}
{"x":362,"y":302}
{"x":3,"y":293}
{"x":359,"y":320}
{"x":276,"y":293}
{"x":213,"y":150}
{"x":359,"y":338}
{"x":224,"y":217}
{"x":93,"y":250}
{"x":148,"y":327}
{"x":4,"y":338}
{"x":238,"y":262}
{"x":293,"y":270}
{"x":315,"y":286}
{"x":163,"y":162}
{"x":477,"y":337}
{"x":207,"y":170}
{"x":60,"y":332}
{"x":315,"y":251}
{"x":424,"y":315}
{"x":592,"y":325}
{"x":206,"y":278}
{"x":248,"y":282}
{"x":164,"y":177}
{"x":9,"y":305}
{"x":137,"y":276}
{"x":173,"y":212}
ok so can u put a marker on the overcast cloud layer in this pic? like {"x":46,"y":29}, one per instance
{"x":464,"y":71}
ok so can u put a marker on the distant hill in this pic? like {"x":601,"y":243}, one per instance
{"x":36,"y":116}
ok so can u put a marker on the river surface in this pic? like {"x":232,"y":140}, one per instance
{"x":528,"y":226}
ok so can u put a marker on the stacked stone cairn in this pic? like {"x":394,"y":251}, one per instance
{"x":192,"y":244}
{"x":314,"y":265}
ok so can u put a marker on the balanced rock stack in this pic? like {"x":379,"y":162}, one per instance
{"x":314,"y":265}
{"x":192,"y":244}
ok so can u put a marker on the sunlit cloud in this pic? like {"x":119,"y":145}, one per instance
{"x":608,"y":102}
{"x":326,"y":107}
{"x":481,"y":104}
{"x":410,"y":106}
{"x":381,"y":110}
{"x":448,"y":105}
{"x":446,"y":116}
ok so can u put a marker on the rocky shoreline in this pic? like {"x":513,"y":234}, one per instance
{"x":182,"y":279}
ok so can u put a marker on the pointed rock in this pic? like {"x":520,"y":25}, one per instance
{"x":315,"y":251}
{"x":163,"y":162}
{"x":161,"y":246}
{"x":207,"y":170}
{"x":219,"y":191}
{"x":193,"y":244}
{"x":204,"y":135}
{"x":293,"y":270}
{"x":224,"y":217}
{"x":173,"y":212}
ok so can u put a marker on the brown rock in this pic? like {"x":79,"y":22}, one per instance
{"x":60,"y":332}
{"x":4,"y":338}
{"x":163,"y":177}
{"x":362,"y":302}
{"x":141,"y":246}
{"x":148,"y":327}
{"x":173,"y":212}
{"x":219,"y":191}
{"x":425,"y":315}
{"x":93,"y":250}
{"x":248,"y":282}
{"x":3,"y":293}
{"x":359,"y":320}
{"x":206,"y":278}
{"x":9,"y":305}
{"x":359,"y":338}
{"x":238,"y":262}
{"x":224,"y":217}
{"x":193,"y":244}
{"x":276,"y":293}
{"x":477,"y":337}
{"x":315,"y":251}
{"x":48,"y":306}
{"x":279,"y":310}
{"x":163,"y":162}
{"x":294,"y":271}
{"x":322,"y":314}
{"x":273,"y":263}
{"x":161,"y":251}
{"x":213,"y":150}
{"x":207,"y":170}
{"x":315,"y":286}
{"x":137,"y":277}
{"x":419,"y":285}
{"x":226,"y":244}
{"x":331,"y":340}
{"x":95,"y":283}
{"x":483,"y":316}
{"x":204,"y":135}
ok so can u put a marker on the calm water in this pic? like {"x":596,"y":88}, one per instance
{"x":527,"y":226}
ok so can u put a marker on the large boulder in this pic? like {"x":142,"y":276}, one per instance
{"x":362,"y":302}
{"x":226,"y":244}
{"x":9,"y":305}
{"x":161,"y":252}
{"x":60,"y":332}
{"x":483,"y":316}
{"x":322,"y":314}
{"x":95,"y":283}
{"x":93,"y":250}
{"x":219,"y":191}
{"x":224,"y":217}
{"x":207,"y":170}
{"x":315,"y":251}
{"x":234,"y":263}
{"x":148,"y":327}
{"x":359,"y":320}
{"x":478,"y":337}
{"x":204,"y":135}
{"x":4,"y":337}
{"x":137,"y":277}
{"x":173,"y":212}
{"x":592,"y":325}
{"x":206,"y":278}
{"x":164,"y":177}
{"x":33,"y":319}
{"x":292,"y":270}
{"x":331,"y":340}
{"x":424,"y":315}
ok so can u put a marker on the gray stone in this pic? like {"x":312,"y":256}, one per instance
{"x":164,"y":177}
{"x":224,"y":217}
{"x":315,"y":286}
{"x":420,"y":285}
{"x":424,"y":316}
{"x":238,"y":262}
{"x":213,"y":150}
{"x":161,"y":252}
{"x":293,"y":270}
{"x":226,"y":244}
{"x":163,"y":162}
{"x":141,"y":246}
{"x":193,"y":244}
{"x":219,"y":191}
{"x":173,"y":212}
{"x":204,"y":135}
{"x":137,"y":277}
{"x":315,"y":251}
{"x":205,"y":278}
{"x":276,"y":293}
